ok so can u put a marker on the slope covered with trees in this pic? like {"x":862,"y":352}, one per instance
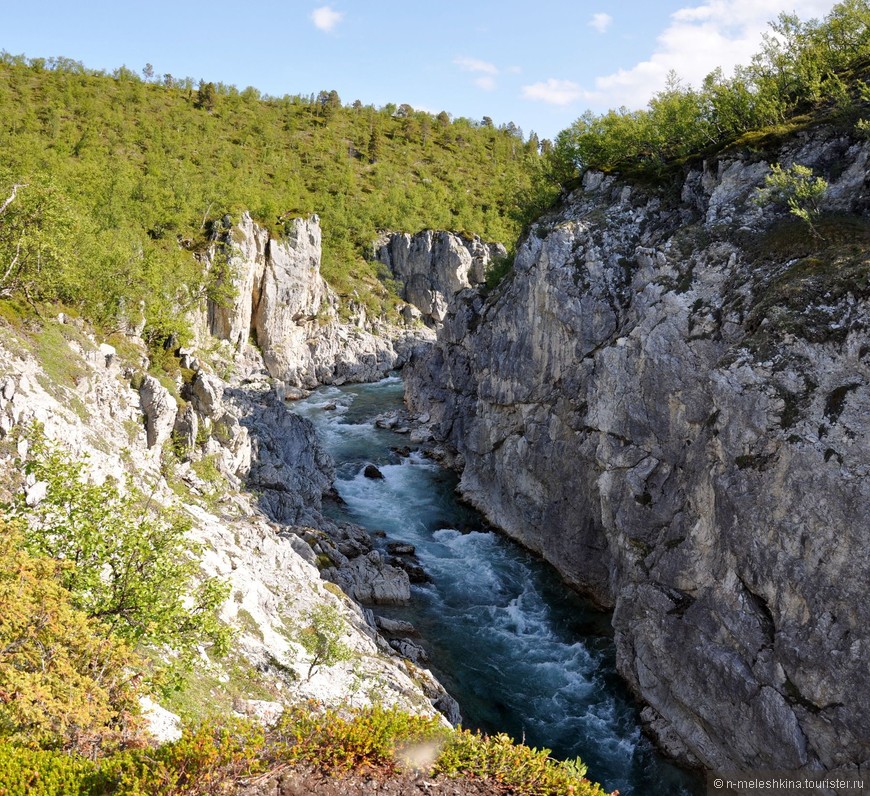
{"x":805,"y":72}
{"x":120,"y":176}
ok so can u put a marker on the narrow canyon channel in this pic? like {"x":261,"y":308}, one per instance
{"x":521,"y":652}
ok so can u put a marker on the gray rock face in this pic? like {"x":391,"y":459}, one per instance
{"x":282,"y":300}
{"x":245,"y":253}
{"x":368,"y":579}
{"x":432,"y":266}
{"x":160,"y":410}
{"x":289,"y":468}
{"x":207,"y":394}
{"x":292,"y":295}
{"x":670,"y":402}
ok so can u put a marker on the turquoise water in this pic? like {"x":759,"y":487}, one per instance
{"x":522,"y":653}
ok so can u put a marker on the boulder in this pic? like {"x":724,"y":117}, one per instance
{"x":263,"y":711}
{"x":159,"y":408}
{"x":368,"y":579}
{"x":395,"y":627}
{"x":410,"y":650}
{"x":207,"y":394}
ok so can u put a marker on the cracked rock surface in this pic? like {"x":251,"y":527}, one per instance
{"x":669,"y":401}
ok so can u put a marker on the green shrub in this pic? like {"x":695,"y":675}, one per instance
{"x":797,"y":188}
{"x":320,"y":636}
{"x":134,"y":569}
{"x":62,"y":682}
{"x":498,"y":270}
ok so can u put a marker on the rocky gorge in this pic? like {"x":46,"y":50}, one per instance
{"x":668,"y":400}
{"x":217,"y":443}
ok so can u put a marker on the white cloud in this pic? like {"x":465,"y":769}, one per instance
{"x":697,"y":40}
{"x":486,"y":82}
{"x":554,"y":92}
{"x":475,"y":65}
{"x":601,"y":22}
{"x":325,"y":18}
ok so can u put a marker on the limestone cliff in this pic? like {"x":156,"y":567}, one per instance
{"x":282,"y":303}
{"x":249,"y":474}
{"x":669,"y":401}
{"x":432,"y":266}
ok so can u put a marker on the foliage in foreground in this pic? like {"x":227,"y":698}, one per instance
{"x":63,"y":683}
{"x":210,"y":759}
{"x":128,"y":565}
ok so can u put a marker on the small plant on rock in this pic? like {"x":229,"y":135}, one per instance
{"x":320,"y":636}
{"x":798,"y":189}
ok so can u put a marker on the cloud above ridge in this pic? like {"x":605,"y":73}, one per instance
{"x":697,"y":40}
{"x":553,"y":92}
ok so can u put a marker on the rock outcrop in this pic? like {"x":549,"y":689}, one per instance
{"x":249,"y":474}
{"x":282,"y":304}
{"x":432,"y":266}
{"x":669,"y":401}
{"x":160,"y":410}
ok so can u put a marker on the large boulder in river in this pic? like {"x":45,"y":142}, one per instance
{"x":367,"y":579}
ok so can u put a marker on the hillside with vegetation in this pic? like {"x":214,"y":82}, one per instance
{"x":111,"y":185}
{"x":119,"y":177}
{"x":806,"y":72}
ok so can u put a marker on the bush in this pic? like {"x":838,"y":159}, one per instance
{"x":63,"y":684}
{"x":132,"y":567}
{"x":797,"y":188}
{"x":321,"y":636}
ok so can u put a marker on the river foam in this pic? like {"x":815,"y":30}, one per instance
{"x":521,"y":653}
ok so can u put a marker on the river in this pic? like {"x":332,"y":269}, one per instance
{"x":521,"y":652}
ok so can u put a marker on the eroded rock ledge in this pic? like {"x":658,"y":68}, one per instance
{"x":285,"y":309}
{"x":669,"y":401}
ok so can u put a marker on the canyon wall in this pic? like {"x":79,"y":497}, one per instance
{"x":431,"y":266}
{"x":282,"y":306}
{"x":668,"y":400}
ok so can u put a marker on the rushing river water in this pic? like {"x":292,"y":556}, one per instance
{"x":522,"y":653}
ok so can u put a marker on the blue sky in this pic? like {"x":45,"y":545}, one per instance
{"x":538,"y":63}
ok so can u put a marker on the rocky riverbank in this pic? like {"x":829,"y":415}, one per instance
{"x":250,"y":475}
{"x":668,"y":400}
